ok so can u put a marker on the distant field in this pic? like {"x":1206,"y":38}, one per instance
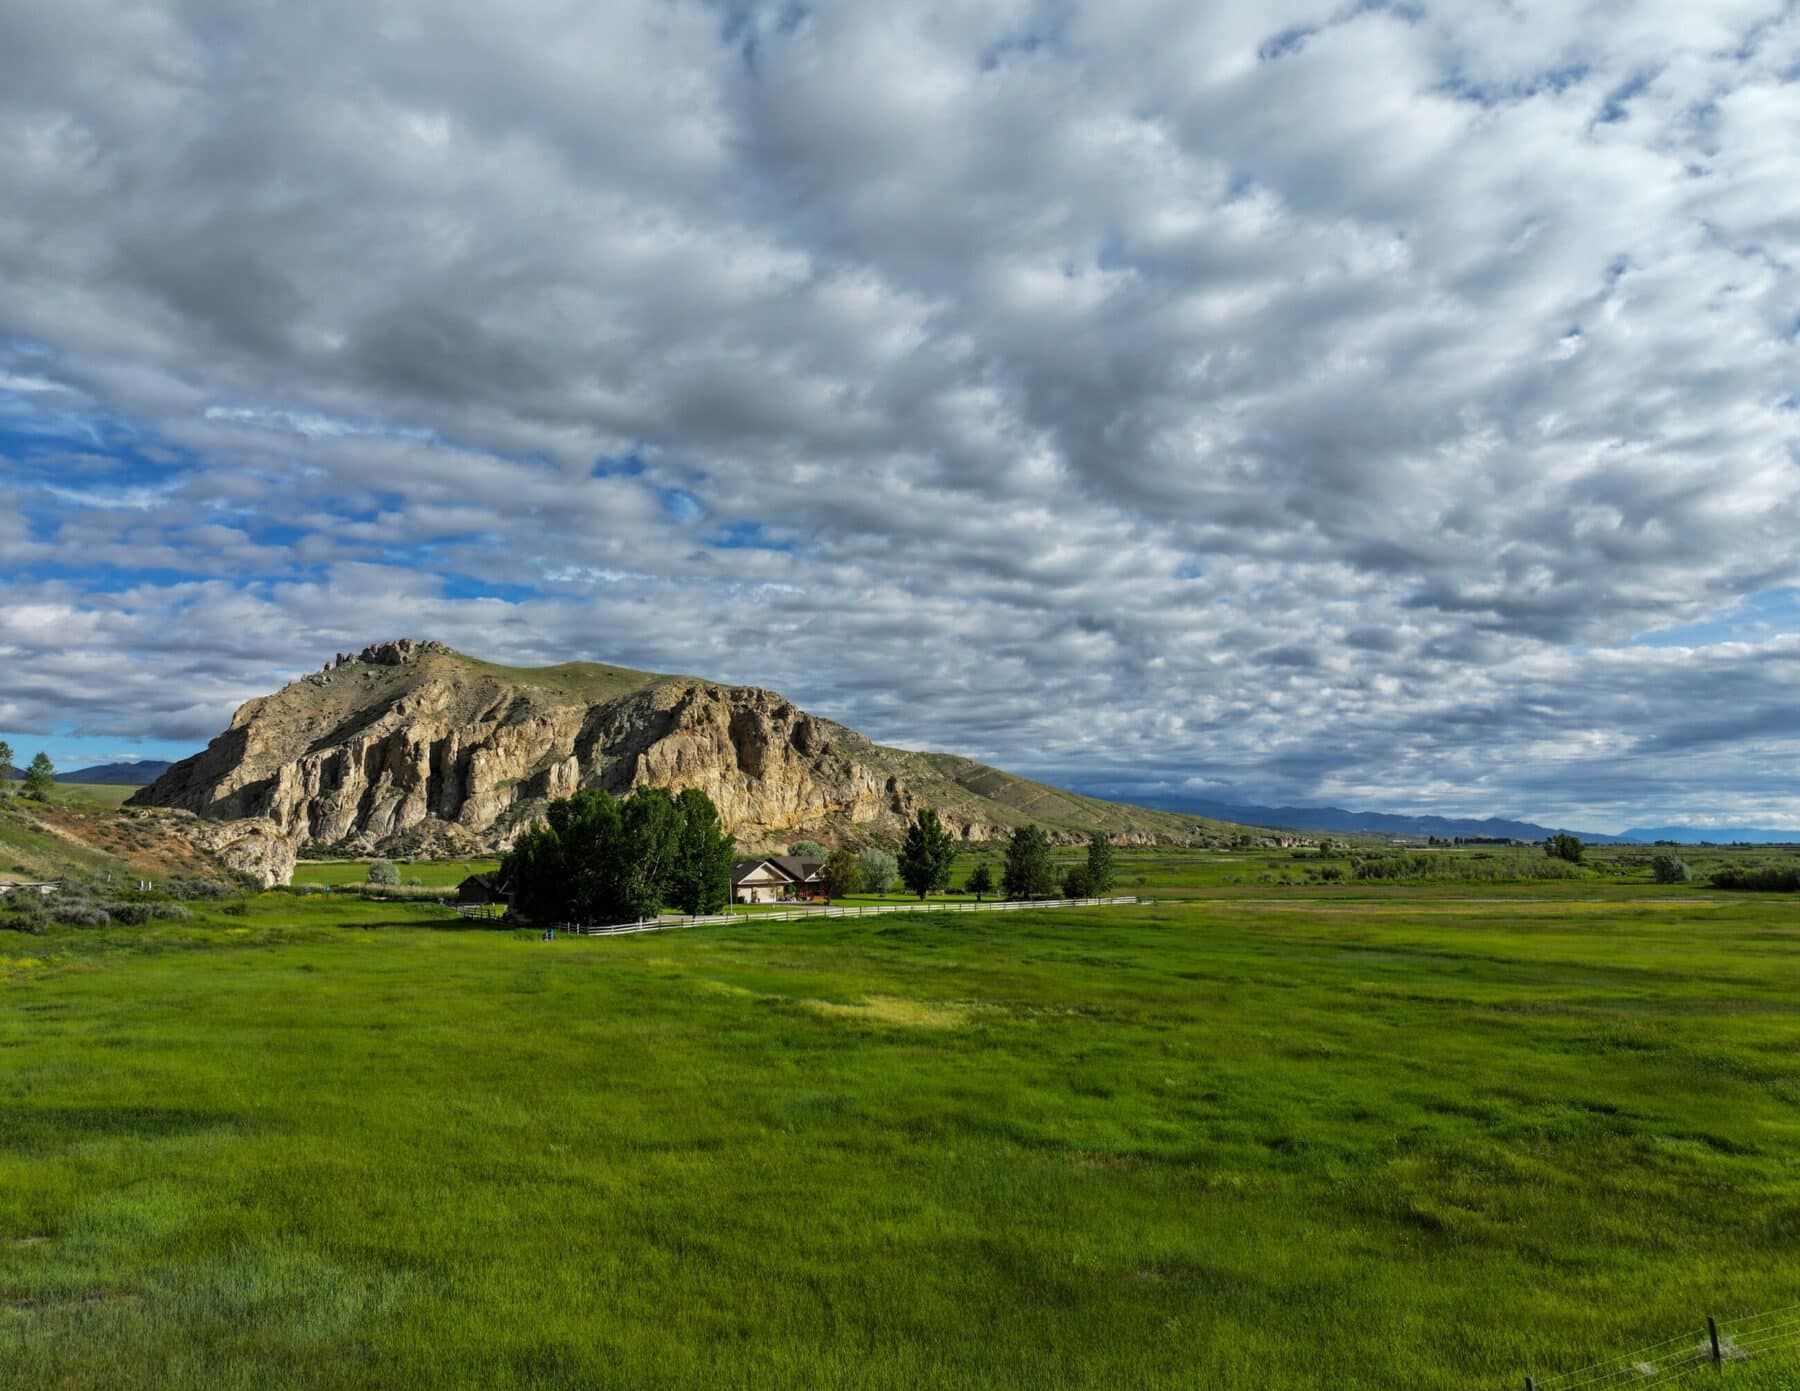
{"x":432,"y":873}
{"x":1393,"y":1138}
{"x":91,"y":794}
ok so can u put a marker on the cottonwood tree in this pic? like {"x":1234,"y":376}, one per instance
{"x":927,"y":855}
{"x":842,"y":874}
{"x":1027,"y":872}
{"x":878,"y":870}
{"x":596,"y":859}
{"x":1563,"y":846}
{"x":700,"y":881}
{"x":40,"y":777}
{"x":981,"y":881}
{"x":1099,"y":868}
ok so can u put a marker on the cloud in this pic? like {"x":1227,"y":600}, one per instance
{"x":1312,"y":400}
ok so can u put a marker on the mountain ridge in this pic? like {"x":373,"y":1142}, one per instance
{"x":1343,"y":819}
{"x":414,"y":748}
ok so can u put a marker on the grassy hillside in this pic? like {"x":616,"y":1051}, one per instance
{"x":590,"y":682}
{"x":1372,"y":1139}
{"x":79,"y":831}
{"x":1013,"y":800}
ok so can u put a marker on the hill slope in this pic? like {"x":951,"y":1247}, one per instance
{"x":415,"y":748}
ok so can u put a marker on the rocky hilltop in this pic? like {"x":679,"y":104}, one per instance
{"x":413,"y":748}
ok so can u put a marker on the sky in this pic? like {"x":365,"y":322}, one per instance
{"x":1391,"y":405}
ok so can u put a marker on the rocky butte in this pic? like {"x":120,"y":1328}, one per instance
{"x":411,"y":748}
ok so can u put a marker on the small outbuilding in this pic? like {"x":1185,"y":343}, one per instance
{"x":480,"y":888}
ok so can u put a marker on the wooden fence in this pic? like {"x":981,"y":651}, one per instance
{"x":999,"y":905}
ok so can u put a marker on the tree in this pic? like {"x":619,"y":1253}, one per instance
{"x":1099,"y":868}
{"x":6,"y":767}
{"x":597,"y":859}
{"x":807,"y":850}
{"x":842,"y":874}
{"x":981,"y":881}
{"x":383,"y":872}
{"x":644,"y":861}
{"x":1076,"y":883}
{"x":927,"y":855}
{"x":40,"y":777}
{"x":1027,"y":872}
{"x":878,"y":870}
{"x":1563,"y":846}
{"x":701,"y":879}
{"x":1667,"y":869}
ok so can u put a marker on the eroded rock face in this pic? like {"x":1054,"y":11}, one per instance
{"x":454,"y":758}
{"x":254,"y":847}
{"x":412,"y":748}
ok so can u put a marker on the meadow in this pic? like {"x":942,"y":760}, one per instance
{"x":1258,"y":1136}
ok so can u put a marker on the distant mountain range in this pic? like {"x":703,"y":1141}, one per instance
{"x":1717,"y":835}
{"x":138,"y":774}
{"x":1449,"y":827}
{"x":1370,"y":822}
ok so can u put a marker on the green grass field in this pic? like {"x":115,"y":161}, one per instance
{"x":1356,"y":1138}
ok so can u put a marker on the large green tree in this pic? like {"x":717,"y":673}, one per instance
{"x":1099,"y":866}
{"x":1563,"y":846}
{"x":597,"y":859}
{"x":1027,"y":872}
{"x":981,"y":881}
{"x":842,"y":874}
{"x":40,"y":777}
{"x":927,"y":855}
{"x":701,"y":882}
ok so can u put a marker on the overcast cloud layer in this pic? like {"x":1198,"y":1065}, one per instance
{"x":1388,"y":404}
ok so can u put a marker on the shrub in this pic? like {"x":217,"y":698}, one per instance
{"x":1076,"y":884}
{"x":195,"y":887}
{"x":80,"y":912}
{"x":1757,"y":879}
{"x":1667,"y":869}
{"x":383,"y":872}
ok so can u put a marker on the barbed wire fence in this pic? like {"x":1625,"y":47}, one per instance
{"x":1709,"y":1349}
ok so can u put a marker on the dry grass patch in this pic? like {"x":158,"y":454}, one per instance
{"x":900,"y":1011}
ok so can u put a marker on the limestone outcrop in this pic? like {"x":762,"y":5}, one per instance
{"x":410,"y":747}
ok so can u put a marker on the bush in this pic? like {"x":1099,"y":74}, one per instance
{"x":1667,"y":869}
{"x":136,"y":912}
{"x":1076,"y":884}
{"x":80,"y":912}
{"x":1757,"y":879}
{"x":194,"y":887}
{"x":383,"y":872}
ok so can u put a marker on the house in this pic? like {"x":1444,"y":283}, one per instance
{"x":776,"y":878}
{"x":480,"y":888}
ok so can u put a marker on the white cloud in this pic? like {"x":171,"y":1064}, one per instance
{"x":1450,"y":348}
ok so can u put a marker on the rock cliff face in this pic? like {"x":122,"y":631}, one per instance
{"x":413,"y":748}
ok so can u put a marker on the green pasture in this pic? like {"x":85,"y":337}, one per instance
{"x":429,"y":873}
{"x":1396,"y":1138}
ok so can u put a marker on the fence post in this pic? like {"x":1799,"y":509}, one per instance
{"x":1712,"y":1331}
{"x":1530,"y":1385}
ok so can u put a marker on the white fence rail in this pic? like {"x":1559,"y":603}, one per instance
{"x":1001,"y":905}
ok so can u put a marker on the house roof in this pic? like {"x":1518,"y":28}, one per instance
{"x":791,"y":867}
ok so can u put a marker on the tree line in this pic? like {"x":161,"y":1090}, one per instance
{"x":596,"y":858}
